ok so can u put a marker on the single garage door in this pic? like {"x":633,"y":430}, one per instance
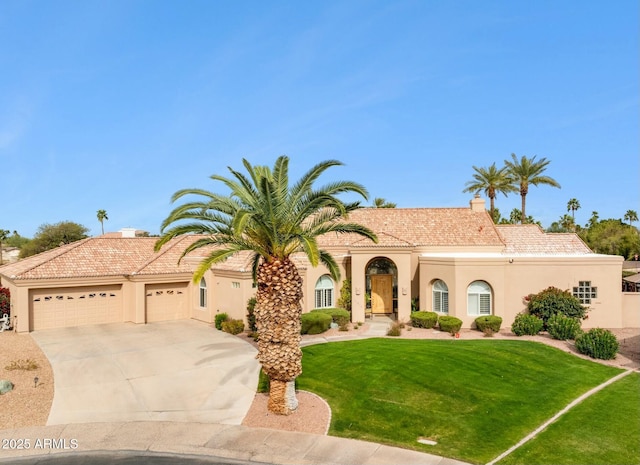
{"x":75,"y":306}
{"x":166,"y":302}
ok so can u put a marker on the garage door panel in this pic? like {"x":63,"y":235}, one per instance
{"x":75,"y":306}
{"x":166,"y":302}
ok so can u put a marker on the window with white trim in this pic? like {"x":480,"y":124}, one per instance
{"x":479,"y":298}
{"x":324,"y":292}
{"x":440,"y":297}
{"x":585,"y":292}
{"x":203,"y":293}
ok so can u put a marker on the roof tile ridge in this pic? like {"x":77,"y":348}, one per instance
{"x":71,"y":246}
{"x":397,"y":238}
{"x":498,"y":233}
{"x":156,"y":255}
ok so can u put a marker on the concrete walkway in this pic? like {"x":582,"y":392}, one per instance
{"x":248,"y":445}
{"x":173,"y":371}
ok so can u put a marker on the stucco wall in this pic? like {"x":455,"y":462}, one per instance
{"x":631,"y":310}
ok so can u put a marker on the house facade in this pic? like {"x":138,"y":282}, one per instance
{"x":453,"y":261}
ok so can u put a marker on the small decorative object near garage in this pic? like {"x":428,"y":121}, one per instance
{"x":5,"y":386}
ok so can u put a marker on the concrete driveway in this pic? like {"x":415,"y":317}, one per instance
{"x":171,"y":371}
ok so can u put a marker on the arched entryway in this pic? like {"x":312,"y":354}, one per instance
{"x":382,"y":286}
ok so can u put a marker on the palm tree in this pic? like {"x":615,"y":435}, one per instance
{"x":492,"y":181}
{"x":271,"y":219}
{"x":102,"y":215}
{"x":631,"y":216}
{"x":528,"y":171}
{"x":567,"y":222}
{"x":572,"y":206}
{"x":594,"y":218}
{"x":380,"y":202}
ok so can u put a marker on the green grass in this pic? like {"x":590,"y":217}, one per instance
{"x":604,"y":429}
{"x":475,"y":398}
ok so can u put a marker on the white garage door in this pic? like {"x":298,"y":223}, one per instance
{"x":166,"y":302}
{"x":75,"y":306}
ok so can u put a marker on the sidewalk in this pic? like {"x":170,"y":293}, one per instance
{"x":207,"y":441}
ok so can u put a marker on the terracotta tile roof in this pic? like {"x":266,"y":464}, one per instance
{"x":411,"y":227}
{"x":530,"y":239}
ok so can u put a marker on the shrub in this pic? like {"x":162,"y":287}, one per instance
{"x":551,"y":301}
{"x":598,"y":343}
{"x":25,"y":365}
{"x":424,"y":319}
{"x":251,"y":317}
{"x":526,"y":325}
{"x":339,"y":315}
{"x":490,"y":322}
{"x":450,"y":324}
{"x":314,"y":322}
{"x":395,"y":329}
{"x":220,"y":318}
{"x":233,"y":326}
{"x":562,"y":327}
{"x":5,"y":301}
{"x":345,"y":295}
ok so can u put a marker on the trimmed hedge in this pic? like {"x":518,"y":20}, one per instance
{"x":233,"y":326}
{"x":338,"y":315}
{"x":314,"y":322}
{"x":491,"y":322}
{"x":450,"y":324}
{"x":424,"y":319}
{"x":562,"y":327}
{"x":526,"y":325}
{"x":598,"y":343}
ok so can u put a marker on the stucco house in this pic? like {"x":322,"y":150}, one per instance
{"x":453,"y":261}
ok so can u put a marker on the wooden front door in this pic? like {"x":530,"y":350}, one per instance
{"x":381,"y":293}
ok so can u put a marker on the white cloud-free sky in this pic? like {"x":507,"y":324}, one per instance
{"x":116,"y":105}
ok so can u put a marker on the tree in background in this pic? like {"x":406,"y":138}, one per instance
{"x":594,"y":219}
{"x":50,"y":236}
{"x":273,"y":220}
{"x":492,"y":181}
{"x":380,"y":202}
{"x":525,"y":172}
{"x":102,"y":215}
{"x":4,"y":234}
{"x":612,"y":237}
{"x":631,"y":216}
{"x":572,"y":206}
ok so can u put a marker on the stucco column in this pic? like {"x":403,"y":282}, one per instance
{"x":358,"y":286}
{"x":20,"y":307}
{"x":403,"y":264}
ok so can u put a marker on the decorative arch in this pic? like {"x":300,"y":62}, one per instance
{"x":440,"y":292}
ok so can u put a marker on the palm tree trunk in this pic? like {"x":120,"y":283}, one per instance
{"x":523,"y":219}
{"x":277,"y":314}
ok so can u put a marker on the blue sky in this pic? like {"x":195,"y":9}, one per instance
{"x":115,"y":105}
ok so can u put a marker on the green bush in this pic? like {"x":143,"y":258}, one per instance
{"x":424,"y":319}
{"x":339,"y":315}
{"x":551,"y":301}
{"x":489,"y":322}
{"x":598,"y":343}
{"x":562,"y":327}
{"x":251,"y":317}
{"x":220,"y":318}
{"x":233,"y":326}
{"x":314,"y":322}
{"x":450,"y":324}
{"x":526,"y":325}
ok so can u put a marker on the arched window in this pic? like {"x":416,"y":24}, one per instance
{"x":324,"y":292}
{"x":479,"y":298}
{"x":440,"y":297}
{"x":203,"y":293}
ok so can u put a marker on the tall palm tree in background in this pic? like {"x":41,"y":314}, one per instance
{"x":492,"y":181}
{"x":102,"y":215}
{"x":526,"y":171}
{"x":380,"y":202}
{"x":631,"y":216}
{"x":263,"y":214}
{"x":572,"y":206}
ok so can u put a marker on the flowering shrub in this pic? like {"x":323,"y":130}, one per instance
{"x":5,"y":301}
{"x":552,"y":301}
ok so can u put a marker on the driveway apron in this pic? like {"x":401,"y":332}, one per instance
{"x":170,"y":371}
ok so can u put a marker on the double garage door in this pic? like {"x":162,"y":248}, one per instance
{"x":75,"y":306}
{"x":78,"y":306}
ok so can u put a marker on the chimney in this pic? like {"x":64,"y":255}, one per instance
{"x":128,"y":232}
{"x":477,"y":204}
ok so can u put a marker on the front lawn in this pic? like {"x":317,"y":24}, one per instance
{"x":475,"y":398}
{"x":603,"y":429}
